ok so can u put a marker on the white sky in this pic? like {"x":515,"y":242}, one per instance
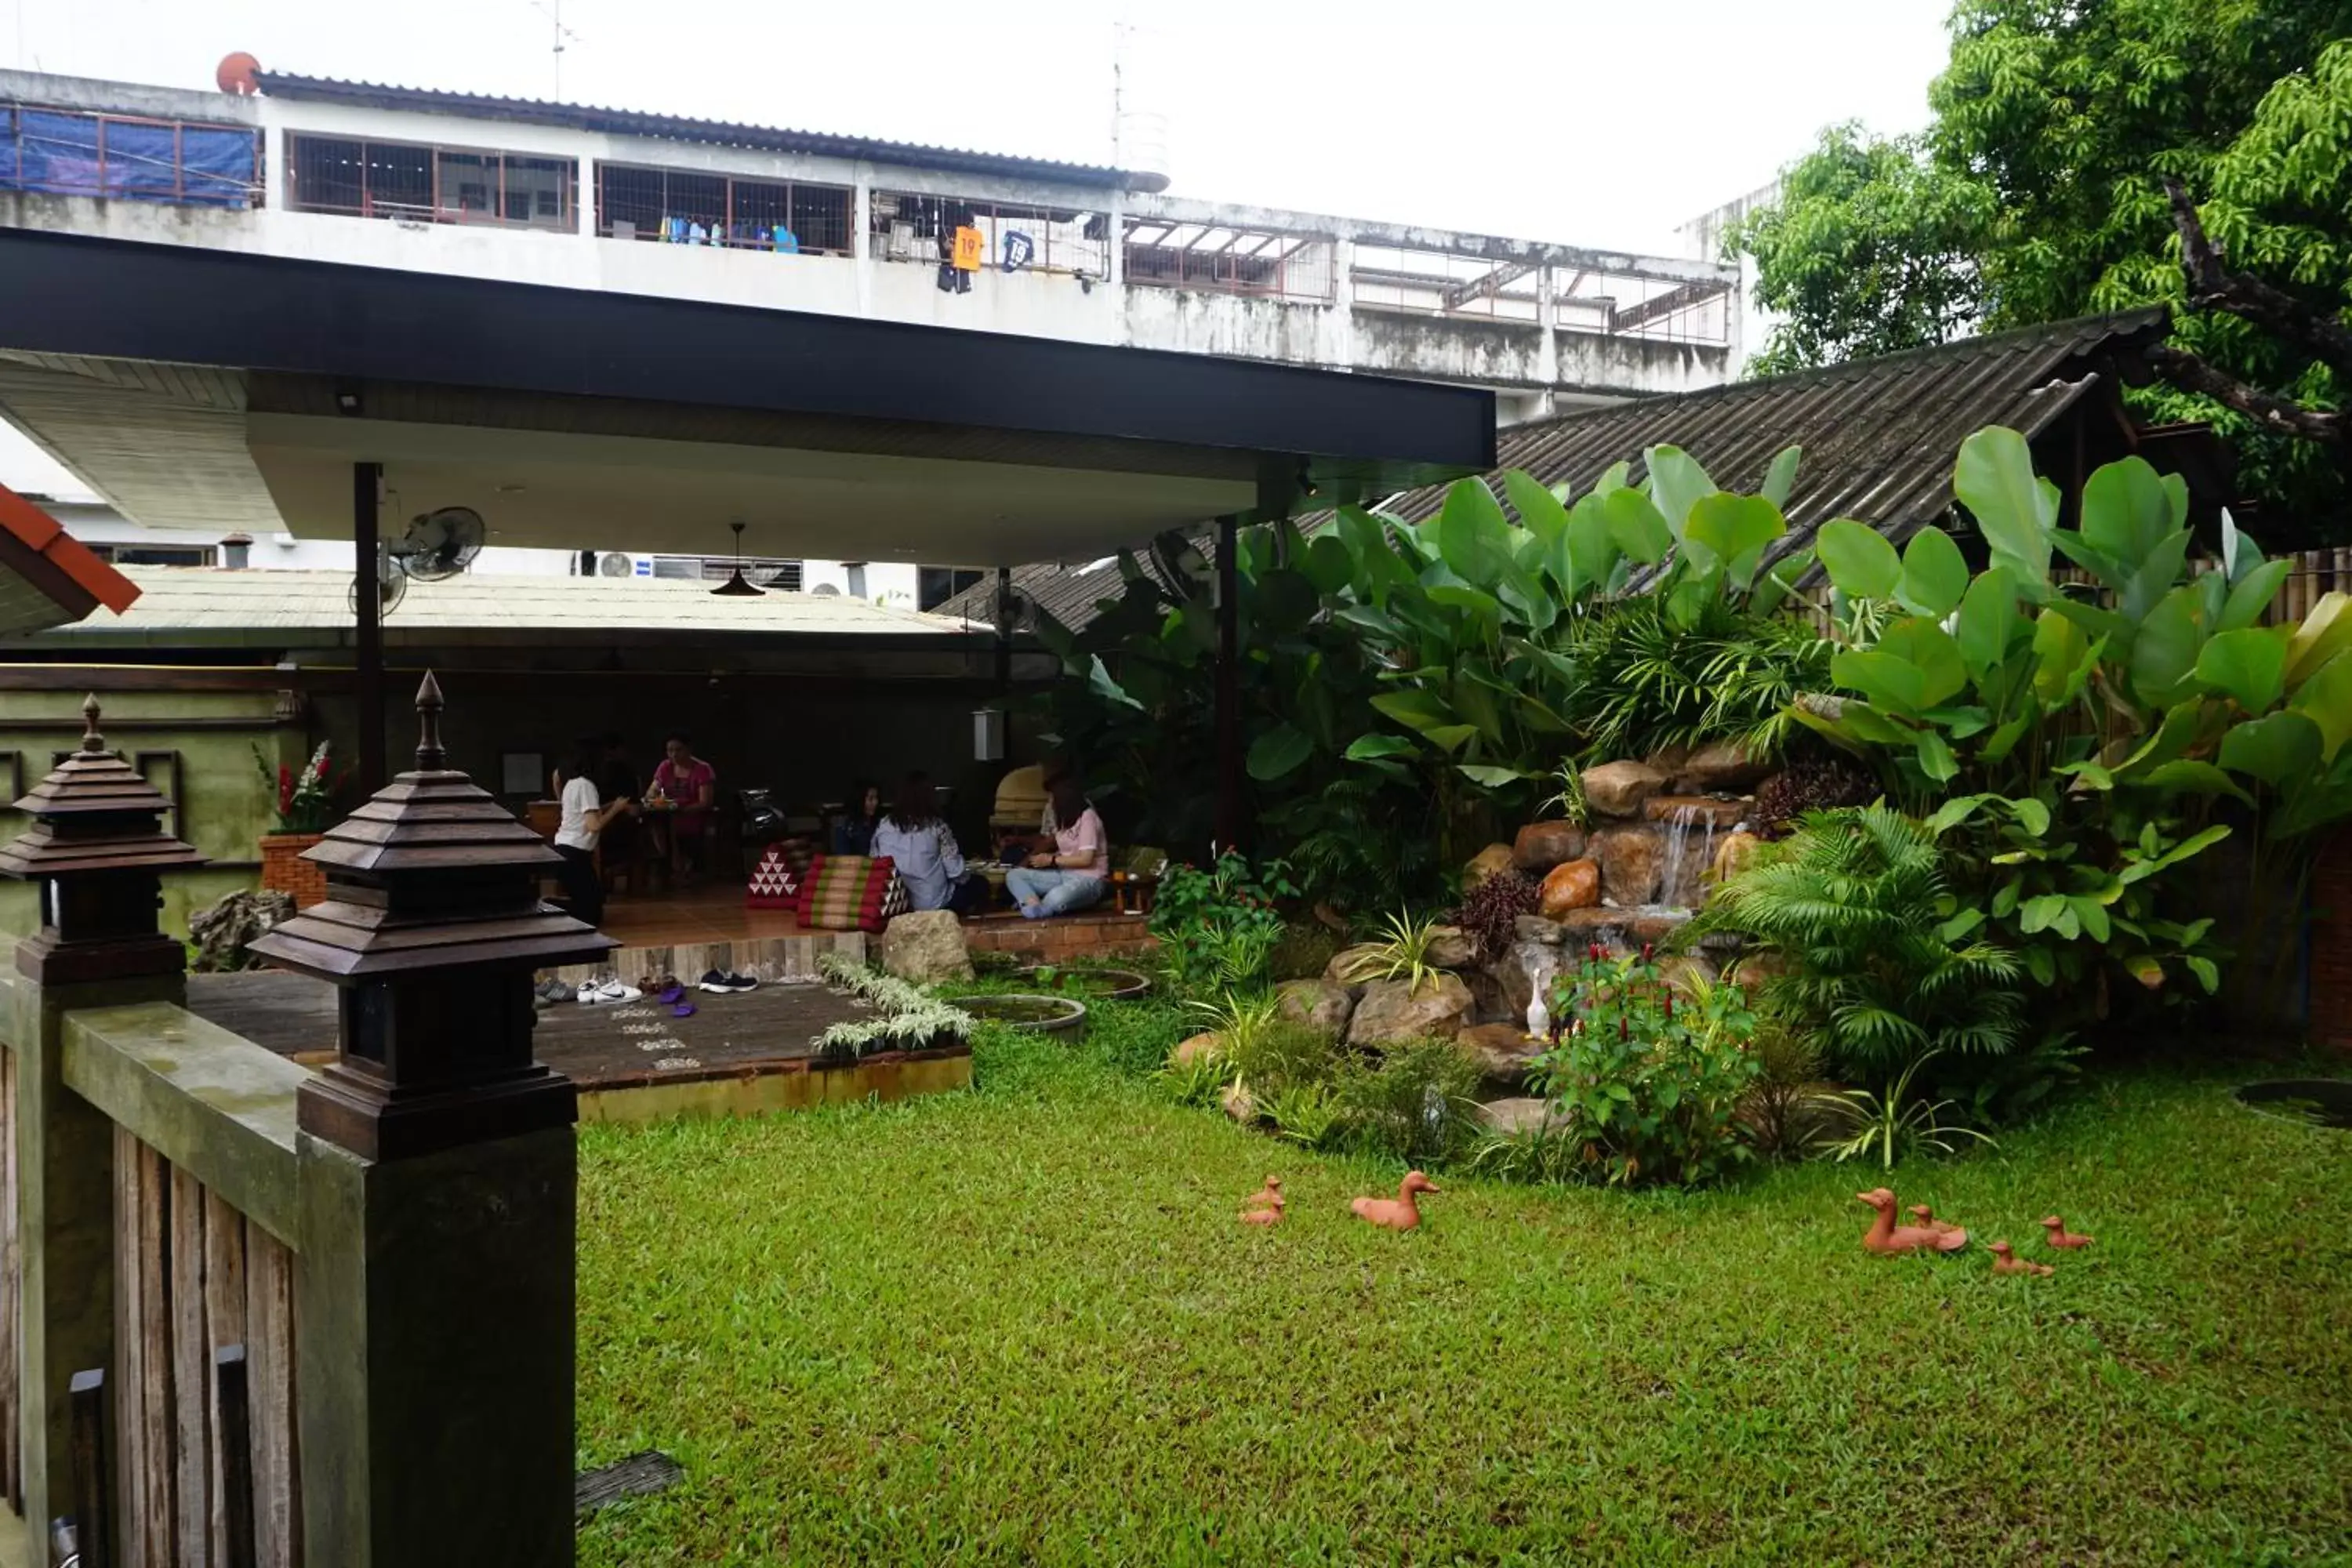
{"x":1580,"y":122}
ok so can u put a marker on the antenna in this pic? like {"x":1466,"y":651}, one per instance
{"x":562,"y":39}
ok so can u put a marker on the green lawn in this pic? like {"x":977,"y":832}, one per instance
{"x":1023,"y":1325}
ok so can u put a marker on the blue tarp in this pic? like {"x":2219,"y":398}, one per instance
{"x":79,"y":155}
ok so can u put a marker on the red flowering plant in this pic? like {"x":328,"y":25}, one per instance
{"x":303,"y":800}
{"x":1647,"y":1075}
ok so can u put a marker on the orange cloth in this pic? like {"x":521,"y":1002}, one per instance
{"x":969,"y":249}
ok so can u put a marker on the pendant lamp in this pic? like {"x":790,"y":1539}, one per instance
{"x":737,"y":586}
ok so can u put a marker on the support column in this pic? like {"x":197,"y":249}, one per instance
{"x":1229,"y":689}
{"x":367,"y":480}
{"x":1004,"y":632}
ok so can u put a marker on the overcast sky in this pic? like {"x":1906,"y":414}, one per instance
{"x":1577,"y":122}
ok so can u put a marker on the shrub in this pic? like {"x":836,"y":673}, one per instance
{"x":1899,"y":1123}
{"x":1646,"y":1088}
{"x":1218,"y":928}
{"x":1402,"y":955}
{"x":1789,"y":1110}
{"x":1810,"y":785}
{"x":1877,"y":970}
{"x":1304,"y":952}
{"x":1489,"y":912}
{"x":1416,"y":1103}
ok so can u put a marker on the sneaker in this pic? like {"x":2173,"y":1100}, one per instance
{"x":712,"y":980}
{"x":608,"y":991}
{"x":742,"y":982}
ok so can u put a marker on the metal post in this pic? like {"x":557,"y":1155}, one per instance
{"x":1004,"y":630}
{"x":1229,"y":689}
{"x":366,"y":562}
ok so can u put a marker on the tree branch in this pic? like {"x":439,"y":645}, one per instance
{"x":2213,"y":287}
{"x":2187,"y":372}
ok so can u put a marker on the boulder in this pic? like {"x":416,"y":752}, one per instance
{"x":1341,"y":969}
{"x":1621,"y":789}
{"x":1570,"y":885}
{"x":1485,"y":863}
{"x":1451,"y":947}
{"x":1499,"y":1051}
{"x":1520,"y":1115}
{"x":1238,"y":1104}
{"x":1392,"y":1012}
{"x":1723,"y":768}
{"x":1536,"y":929}
{"x":221,"y":930}
{"x":925,"y":946}
{"x":1754,"y":967}
{"x":1490,"y":994}
{"x":1196,"y":1048}
{"x":1733,"y":855}
{"x":1322,"y":1006}
{"x":1699,"y":810}
{"x":1669,"y":760}
{"x":1632,"y":861}
{"x":1621,"y":931}
{"x":1540,"y":846}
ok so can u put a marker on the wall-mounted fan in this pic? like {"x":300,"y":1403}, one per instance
{"x":1014,"y":609}
{"x":391,"y":584}
{"x":439,"y":544}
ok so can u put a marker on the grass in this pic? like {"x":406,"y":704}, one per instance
{"x":1023,"y":1325}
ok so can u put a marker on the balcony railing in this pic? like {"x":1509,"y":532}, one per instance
{"x":75,"y":153}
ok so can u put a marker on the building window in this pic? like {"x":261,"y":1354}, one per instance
{"x":685,"y":209}
{"x":155,"y":554}
{"x":919,"y":229}
{"x":71,"y":152}
{"x":431,"y":184}
{"x":1230,"y":260}
{"x":764,"y":572}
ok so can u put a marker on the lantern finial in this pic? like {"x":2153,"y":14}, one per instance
{"x":430,"y":757}
{"x":91,"y":740}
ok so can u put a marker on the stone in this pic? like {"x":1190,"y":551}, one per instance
{"x":1669,"y":760}
{"x":1540,"y":846}
{"x":1570,"y":885}
{"x":1490,"y":995}
{"x":1699,"y":810}
{"x":1197,"y":1047}
{"x":1451,"y":947}
{"x":221,"y":930}
{"x":1523,"y":1114}
{"x":1342,"y":970}
{"x":1733,"y":855}
{"x":1485,"y":863}
{"x":1392,"y":1013}
{"x":1621,"y":931}
{"x":1500,"y":1052}
{"x":1619,"y":789}
{"x":1536,"y":929}
{"x":1322,"y":1006}
{"x":925,"y":946}
{"x":1632,"y":859}
{"x":1723,"y":767}
{"x":1754,"y":967}
{"x":1238,"y":1104}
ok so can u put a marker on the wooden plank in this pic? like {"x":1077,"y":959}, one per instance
{"x":153,"y":1328}
{"x":93,"y":1505}
{"x":192,"y":1359}
{"x":225,"y":1328}
{"x":12,"y":1460}
{"x":270,"y":1376}
{"x":232,"y":1399}
{"x":130,"y":1466}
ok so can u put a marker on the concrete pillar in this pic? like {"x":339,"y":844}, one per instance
{"x":1547,"y":345}
{"x":861,"y":238}
{"x":1343,"y":297}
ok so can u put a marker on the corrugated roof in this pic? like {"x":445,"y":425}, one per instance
{"x":198,"y":598}
{"x":683,"y":128}
{"x":1879,"y":437}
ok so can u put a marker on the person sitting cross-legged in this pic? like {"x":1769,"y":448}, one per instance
{"x":1075,"y":873}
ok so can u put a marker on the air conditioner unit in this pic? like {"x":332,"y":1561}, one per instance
{"x":615,"y":563}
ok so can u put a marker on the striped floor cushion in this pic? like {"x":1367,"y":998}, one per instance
{"x":851,"y":892}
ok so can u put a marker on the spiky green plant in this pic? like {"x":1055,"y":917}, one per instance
{"x":1899,"y":1123}
{"x":1878,"y":967}
{"x":1402,"y":953}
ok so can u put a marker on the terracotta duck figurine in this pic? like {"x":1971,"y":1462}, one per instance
{"x":1267,"y":1198}
{"x":1925,"y":1217}
{"x":2060,"y":1236}
{"x":1269,"y":1216}
{"x":2006,"y":1261}
{"x":1398,"y":1213}
{"x":1886,"y":1236}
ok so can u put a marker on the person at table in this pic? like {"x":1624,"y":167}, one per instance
{"x":854,"y":834}
{"x":1075,"y":872}
{"x":920,"y":845}
{"x":690,"y":784}
{"x":586,"y":815}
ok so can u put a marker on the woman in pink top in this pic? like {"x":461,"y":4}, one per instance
{"x":1076,"y":871}
{"x":692,"y":784}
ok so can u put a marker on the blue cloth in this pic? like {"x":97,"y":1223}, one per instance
{"x":1055,"y":891}
{"x":926,"y":857}
{"x":852,"y":836}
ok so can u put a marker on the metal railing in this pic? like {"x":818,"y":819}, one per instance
{"x":78,"y":152}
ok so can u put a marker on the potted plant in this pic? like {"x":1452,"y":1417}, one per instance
{"x":302,"y":801}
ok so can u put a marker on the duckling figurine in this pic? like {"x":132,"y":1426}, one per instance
{"x":1399,"y":1213}
{"x":1267,"y":1198}
{"x":2006,"y":1261}
{"x":1885,"y":1237}
{"x":1925,"y":1217}
{"x":1271,"y":1214}
{"x":2060,"y":1236}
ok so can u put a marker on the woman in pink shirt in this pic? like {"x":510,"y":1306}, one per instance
{"x":692,"y":784}
{"x":1076,"y":870}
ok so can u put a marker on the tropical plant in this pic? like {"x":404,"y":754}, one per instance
{"x":1415,"y":1103}
{"x":1196,"y":1080}
{"x":1242,"y":1022}
{"x":1538,"y":1154}
{"x":1647,"y":1089}
{"x":303,"y":800}
{"x":1879,"y":963}
{"x":1808,"y":784}
{"x":1899,"y":1123}
{"x":907,"y":1016}
{"x":1307,"y":1114}
{"x":1402,"y":953}
{"x":1489,"y":914}
{"x":1788,"y":1099}
{"x":1218,"y":928}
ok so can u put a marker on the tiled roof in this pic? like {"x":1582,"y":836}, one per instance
{"x":180,"y":599}
{"x":1879,"y":437}
{"x":683,"y":128}
{"x":47,"y":577}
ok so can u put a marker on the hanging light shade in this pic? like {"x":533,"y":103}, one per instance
{"x":737,"y":586}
